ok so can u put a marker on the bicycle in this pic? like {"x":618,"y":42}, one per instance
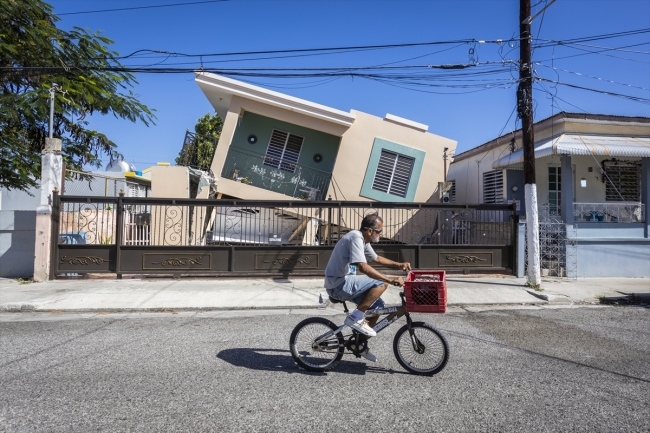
{"x":317,"y":344}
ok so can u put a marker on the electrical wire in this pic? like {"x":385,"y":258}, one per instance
{"x":142,"y":7}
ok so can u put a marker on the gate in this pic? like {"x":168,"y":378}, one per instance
{"x":557,"y":250}
{"x":136,"y":235}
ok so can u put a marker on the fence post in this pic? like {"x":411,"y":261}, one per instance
{"x":329,"y":223}
{"x":54,"y":233}
{"x":514,"y":239}
{"x":119,"y":231}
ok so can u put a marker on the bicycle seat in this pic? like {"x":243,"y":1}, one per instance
{"x":335,"y":301}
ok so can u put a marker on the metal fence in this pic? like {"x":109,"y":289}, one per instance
{"x":271,"y":174}
{"x":167,"y":222}
{"x":609,"y":212}
{"x":153,"y":236}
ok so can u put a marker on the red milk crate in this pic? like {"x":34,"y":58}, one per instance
{"x":425,"y":296}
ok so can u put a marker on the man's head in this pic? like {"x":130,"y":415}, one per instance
{"x":371,"y":227}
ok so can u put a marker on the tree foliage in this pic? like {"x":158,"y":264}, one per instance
{"x":30,"y":42}
{"x":199,"y":151}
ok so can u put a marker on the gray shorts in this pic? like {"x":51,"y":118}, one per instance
{"x":354,"y":289}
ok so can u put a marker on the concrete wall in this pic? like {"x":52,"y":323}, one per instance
{"x":356,"y":147}
{"x":612,"y":250}
{"x":170,"y":182}
{"x":17,"y":243}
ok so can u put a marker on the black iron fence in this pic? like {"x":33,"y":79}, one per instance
{"x":272,"y":174}
{"x":245,"y":230}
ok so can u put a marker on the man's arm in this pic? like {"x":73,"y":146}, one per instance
{"x":365,"y":268}
{"x":405,"y":266}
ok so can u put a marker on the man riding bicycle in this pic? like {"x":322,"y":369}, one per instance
{"x":351,"y":254}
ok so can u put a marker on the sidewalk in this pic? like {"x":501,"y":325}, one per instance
{"x":151,"y":295}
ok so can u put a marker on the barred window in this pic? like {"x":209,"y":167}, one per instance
{"x":393,"y":173}
{"x":283,"y":151}
{"x":622,"y":180}
{"x":493,"y":186}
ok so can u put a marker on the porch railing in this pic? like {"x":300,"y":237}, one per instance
{"x":609,"y":212}
{"x":268,"y":173}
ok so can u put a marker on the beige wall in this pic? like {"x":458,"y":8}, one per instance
{"x":356,"y":146}
{"x":170,"y":182}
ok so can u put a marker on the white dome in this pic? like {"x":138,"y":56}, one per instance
{"x":119,"y":166}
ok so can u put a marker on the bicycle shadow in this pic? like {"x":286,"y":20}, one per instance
{"x":281,"y":360}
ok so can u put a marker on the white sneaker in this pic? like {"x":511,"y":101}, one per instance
{"x":369,"y":356}
{"x":360,"y":326}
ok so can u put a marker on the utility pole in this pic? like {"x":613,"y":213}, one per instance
{"x":525,"y":112}
{"x":444,"y":157}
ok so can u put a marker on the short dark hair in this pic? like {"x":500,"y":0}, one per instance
{"x":370,"y":221}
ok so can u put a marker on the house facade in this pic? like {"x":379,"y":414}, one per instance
{"x":592,"y":176}
{"x":275,"y":146}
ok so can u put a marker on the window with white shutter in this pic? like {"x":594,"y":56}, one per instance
{"x":493,"y":187}
{"x":283,"y":151}
{"x":393,"y":173}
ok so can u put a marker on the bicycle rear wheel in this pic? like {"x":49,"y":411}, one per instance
{"x":316,"y":357}
{"x":425,"y":356}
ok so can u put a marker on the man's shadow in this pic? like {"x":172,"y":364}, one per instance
{"x":281,"y":360}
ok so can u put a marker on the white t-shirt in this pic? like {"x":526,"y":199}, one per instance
{"x":349,"y":250}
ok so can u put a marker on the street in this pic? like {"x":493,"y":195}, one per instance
{"x":554,"y":369}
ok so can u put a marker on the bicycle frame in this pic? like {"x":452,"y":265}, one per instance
{"x":394,"y":314}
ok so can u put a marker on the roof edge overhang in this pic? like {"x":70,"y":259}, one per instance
{"x":229,"y":87}
{"x":635,"y":147}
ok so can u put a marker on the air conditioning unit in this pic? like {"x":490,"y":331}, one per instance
{"x":445,"y":197}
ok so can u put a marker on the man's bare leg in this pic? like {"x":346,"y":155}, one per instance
{"x":371,"y":296}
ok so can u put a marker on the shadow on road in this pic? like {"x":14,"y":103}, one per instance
{"x":281,"y":360}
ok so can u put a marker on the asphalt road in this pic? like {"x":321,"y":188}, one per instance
{"x":584,"y":369}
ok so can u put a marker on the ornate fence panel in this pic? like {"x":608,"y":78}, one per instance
{"x":192,"y":236}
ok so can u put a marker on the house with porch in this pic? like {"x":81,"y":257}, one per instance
{"x":593,"y":191}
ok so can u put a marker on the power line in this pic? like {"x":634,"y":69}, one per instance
{"x":142,"y":7}
{"x":630,"y":97}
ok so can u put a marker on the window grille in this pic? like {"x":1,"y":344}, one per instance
{"x":393,"y":173}
{"x":493,"y":187}
{"x":283,"y":151}
{"x":623,"y":179}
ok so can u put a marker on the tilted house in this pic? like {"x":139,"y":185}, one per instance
{"x":277,"y":147}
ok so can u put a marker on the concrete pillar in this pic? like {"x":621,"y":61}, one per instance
{"x":51,"y":174}
{"x":566,"y":207}
{"x":521,"y":250}
{"x":645,"y":192}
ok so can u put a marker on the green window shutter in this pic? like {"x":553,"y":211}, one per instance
{"x":393,"y":173}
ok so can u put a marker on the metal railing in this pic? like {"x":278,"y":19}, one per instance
{"x":609,"y":212}
{"x":268,"y":173}
{"x":192,"y":222}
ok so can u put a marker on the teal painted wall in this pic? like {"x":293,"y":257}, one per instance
{"x":315,"y":141}
{"x":247,"y":158}
{"x":378,"y":145}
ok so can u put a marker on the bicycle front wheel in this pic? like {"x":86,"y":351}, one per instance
{"x":310,"y":355}
{"x":424,"y":354}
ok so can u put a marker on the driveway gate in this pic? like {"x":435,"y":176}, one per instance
{"x":131,"y":235}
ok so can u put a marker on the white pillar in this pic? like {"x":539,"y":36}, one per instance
{"x":532,"y":238}
{"x":51,"y":173}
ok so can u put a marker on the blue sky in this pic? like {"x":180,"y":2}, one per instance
{"x":470,"y":118}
